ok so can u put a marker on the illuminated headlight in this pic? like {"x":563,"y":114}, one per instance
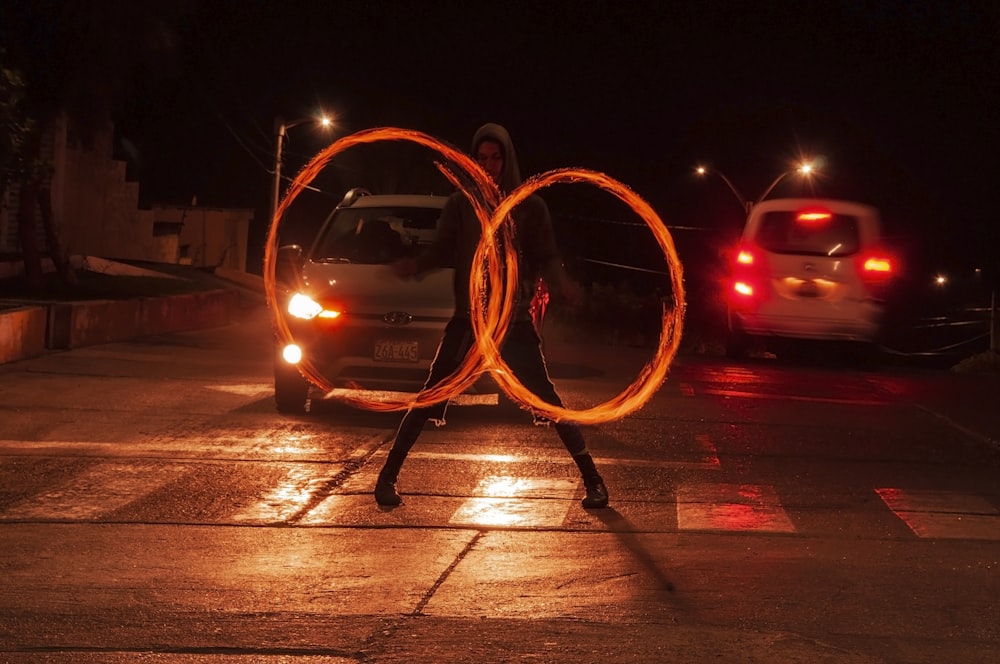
{"x":303,"y":306}
{"x":292,"y":354}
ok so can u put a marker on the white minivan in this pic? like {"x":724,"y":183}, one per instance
{"x":809,"y":269}
{"x":358,"y":324}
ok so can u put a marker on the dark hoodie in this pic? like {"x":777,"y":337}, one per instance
{"x":459,"y":233}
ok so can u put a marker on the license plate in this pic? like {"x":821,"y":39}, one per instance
{"x":808,"y":289}
{"x":391,"y":350}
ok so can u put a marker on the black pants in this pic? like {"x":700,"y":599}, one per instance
{"x":523,"y":354}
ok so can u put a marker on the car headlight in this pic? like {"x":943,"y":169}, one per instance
{"x":303,"y":306}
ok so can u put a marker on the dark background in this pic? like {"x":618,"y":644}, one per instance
{"x":895,"y":100}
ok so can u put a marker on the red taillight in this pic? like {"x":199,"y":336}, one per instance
{"x":877,"y":265}
{"x":813,"y":216}
{"x":747,"y":278}
{"x":877,"y":270}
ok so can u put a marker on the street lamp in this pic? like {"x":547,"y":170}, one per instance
{"x":805,"y":168}
{"x":702,"y":171}
{"x":280,"y":130}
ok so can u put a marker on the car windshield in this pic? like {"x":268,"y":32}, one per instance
{"x":784,"y":232}
{"x":376,"y":235}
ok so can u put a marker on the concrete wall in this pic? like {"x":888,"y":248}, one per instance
{"x":97,"y":213}
{"x":22,"y":332}
{"x":29,"y":331}
{"x":210,"y":237}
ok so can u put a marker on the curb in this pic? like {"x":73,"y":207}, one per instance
{"x":30,"y":330}
{"x":22,"y":332}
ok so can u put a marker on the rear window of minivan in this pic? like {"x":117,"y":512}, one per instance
{"x":782,"y":232}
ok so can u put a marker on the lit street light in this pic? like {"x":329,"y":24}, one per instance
{"x":701,"y":170}
{"x":802,"y":169}
{"x":280,"y":130}
{"x":805,"y":168}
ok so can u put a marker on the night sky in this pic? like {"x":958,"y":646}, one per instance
{"x":898,"y":101}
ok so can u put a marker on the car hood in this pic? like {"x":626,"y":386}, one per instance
{"x":374,"y":289}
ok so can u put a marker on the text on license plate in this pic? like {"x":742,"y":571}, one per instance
{"x":392,"y":350}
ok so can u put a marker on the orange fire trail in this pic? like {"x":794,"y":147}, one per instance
{"x":491,"y":285}
{"x":655,"y":371}
{"x":473,"y":363}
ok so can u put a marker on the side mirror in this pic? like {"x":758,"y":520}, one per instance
{"x":288,"y":266}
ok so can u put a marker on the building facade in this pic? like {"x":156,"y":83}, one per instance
{"x":97,"y":213}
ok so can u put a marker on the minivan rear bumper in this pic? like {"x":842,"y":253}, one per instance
{"x":863,"y":328}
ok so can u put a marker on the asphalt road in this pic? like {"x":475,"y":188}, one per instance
{"x":155,"y":508}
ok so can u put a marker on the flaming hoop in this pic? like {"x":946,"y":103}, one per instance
{"x":490,"y":323}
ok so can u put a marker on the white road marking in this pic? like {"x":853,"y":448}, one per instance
{"x":499,"y":500}
{"x":98,"y":491}
{"x":731,"y":507}
{"x":287,"y":498}
{"x":244,"y":389}
{"x":944,"y":514}
{"x":277,"y":445}
{"x":709,"y":459}
{"x":525,"y":502}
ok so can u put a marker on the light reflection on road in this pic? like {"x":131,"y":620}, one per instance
{"x":500,"y":500}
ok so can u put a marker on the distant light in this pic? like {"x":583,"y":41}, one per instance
{"x":940,"y":280}
{"x":805,"y":169}
{"x":325,"y":121}
{"x":701,"y":170}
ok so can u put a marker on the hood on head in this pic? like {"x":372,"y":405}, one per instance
{"x":511,"y":177}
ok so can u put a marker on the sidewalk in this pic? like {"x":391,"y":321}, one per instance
{"x":30,"y":327}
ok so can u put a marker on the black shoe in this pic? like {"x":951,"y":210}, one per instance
{"x":597,"y":496}
{"x":385,"y":494}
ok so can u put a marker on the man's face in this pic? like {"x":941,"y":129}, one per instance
{"x":490,"y":157}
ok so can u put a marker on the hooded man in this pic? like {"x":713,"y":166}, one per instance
{"x":456,"y":242}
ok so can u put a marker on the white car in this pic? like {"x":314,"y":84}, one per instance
{"x":360,"y":325}
{"x":811,"y":269}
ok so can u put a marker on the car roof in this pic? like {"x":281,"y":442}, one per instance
{"x":398,"y":200}
{"x":836,"y":205}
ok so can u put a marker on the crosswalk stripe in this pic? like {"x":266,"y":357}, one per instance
{"x":503,"y":500}
{"x":287,"y":498}
{"x":731,"y":507}
{"x":100,"y":490}
{"x":708,"y":458}
{"x":943,"y":514}
{"x":500,"y":500}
